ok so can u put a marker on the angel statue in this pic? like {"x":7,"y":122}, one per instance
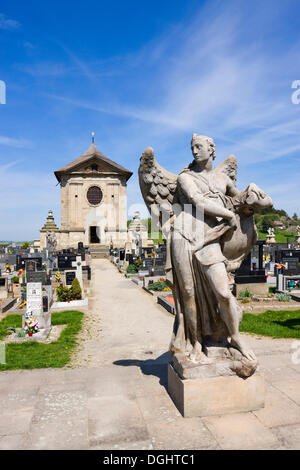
{"x":209,"y":227}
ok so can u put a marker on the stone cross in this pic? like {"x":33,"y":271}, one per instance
{"x":78,"y":265}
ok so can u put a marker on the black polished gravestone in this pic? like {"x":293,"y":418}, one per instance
{"x":160,"y":262}
{"x":38,"y":276}
{"x":158,"y":271}
{"x":292,"y":265}
{"x":70,"y":276}
{"x":45,"y":304}
{"x":21,"y":262}
{"x":129,"y":258}
{"x":65,"y":260}
{"x":30,"y":265}
{"x":246,"y":275}
{"x":147,"y":263}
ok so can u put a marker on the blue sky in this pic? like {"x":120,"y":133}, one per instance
{"x":144,"y":74}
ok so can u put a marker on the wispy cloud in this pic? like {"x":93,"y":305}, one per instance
{"x":46,"y":69}
{"x":7,"y":23}
{"x":210,"y":82}
{"x":15,"y":142}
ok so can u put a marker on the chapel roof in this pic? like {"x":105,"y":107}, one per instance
{"x":91,"y":153}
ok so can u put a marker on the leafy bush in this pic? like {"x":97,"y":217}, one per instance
{"x":76,"y":289}
{"x":245,"y":294}
{"x":65,"y":293}
{"x":158,"y":286}
{"x":132,"y":269}
{"x":283,"y":297}
{"x":15,"y":279}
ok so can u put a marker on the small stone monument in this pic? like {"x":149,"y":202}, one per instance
{"x":271,"y":236}
{"x":209,"y":227}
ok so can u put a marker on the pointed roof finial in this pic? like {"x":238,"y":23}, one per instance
{"x":93,"y":137}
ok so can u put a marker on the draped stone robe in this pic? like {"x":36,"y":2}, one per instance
{"x":195,"y":244}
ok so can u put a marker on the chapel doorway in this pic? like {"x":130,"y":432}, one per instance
{"x":93,"y":235}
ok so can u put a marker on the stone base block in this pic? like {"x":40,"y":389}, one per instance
{"x":44,"y":320}
{"x":216,"y":395}
{"x":256,"y":288}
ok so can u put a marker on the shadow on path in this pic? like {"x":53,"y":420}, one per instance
{"x":157,"y":367}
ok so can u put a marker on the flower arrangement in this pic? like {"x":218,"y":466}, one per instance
{"x":57,"y":275}
{"x":31,"y":325}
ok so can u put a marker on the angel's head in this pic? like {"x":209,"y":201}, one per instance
{"x":203,"y":148}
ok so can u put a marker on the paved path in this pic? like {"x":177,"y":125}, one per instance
{"x":123,"y":321}
{"x":118,"y":398}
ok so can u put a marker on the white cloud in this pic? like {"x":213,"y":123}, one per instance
{"x":14,"y":142}
{"x":7,"y":23}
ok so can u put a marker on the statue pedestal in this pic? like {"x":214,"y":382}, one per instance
{"x":216,"y":395}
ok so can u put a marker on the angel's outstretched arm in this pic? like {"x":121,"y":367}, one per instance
{"x":203,"y":203}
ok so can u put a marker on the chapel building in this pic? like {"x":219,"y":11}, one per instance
{"x":93,"y":202}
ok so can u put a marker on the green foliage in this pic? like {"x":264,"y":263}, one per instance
{"x":245,"y":294}
{"x":21,"y":334}
{"x":131,"y":269}
{"x":69,"y":293}
{"x":158,"y":286}
{"x":272,"y":290}
{"x":35,"y":355}
{"x":15,"y":279}
{"x":283,"y":297}
{"x":278,"y":324}
{"x":64,"y":293}
{"x":267,"y":221}
{"x":138,"y":264}
{"x":25,"y":245}
{"x":76,"y":289}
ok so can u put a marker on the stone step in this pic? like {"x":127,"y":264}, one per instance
{"x":99,"y":251}
{"x":99,"y":255}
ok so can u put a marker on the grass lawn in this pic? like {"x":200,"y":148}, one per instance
{"x":278,"y":324}
{"x":34,"y":355}
{"x":281,"y":236}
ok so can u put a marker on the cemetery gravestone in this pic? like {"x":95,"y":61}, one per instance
{"x":30,"y":265}
{"x":37,"y":276}
{"x":292,"y":265}
{"x":70,"y":276}
{"x":78,"y":264}
{"x":34,"y":305}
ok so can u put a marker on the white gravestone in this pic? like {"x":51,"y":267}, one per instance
{"x":34,"y":298}
{"x":78,"y":265}
{"x":34,"y":305}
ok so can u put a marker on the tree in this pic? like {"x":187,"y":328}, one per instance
{"x":267,"y":221}
{"x":25,"y":245}
{"x":76,"y":289}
